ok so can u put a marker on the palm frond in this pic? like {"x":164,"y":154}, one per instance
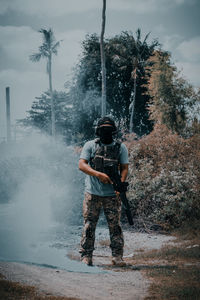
{"x":55,"y":46}
{"x":35,"y":57}
{"x":48,"y":36}
{"x":44,"y":50}
{"x":138,"y":34}
{"x":146,"y":37}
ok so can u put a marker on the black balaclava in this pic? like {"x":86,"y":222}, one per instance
{"x":106,"y":134}
{"x":105,"y":129}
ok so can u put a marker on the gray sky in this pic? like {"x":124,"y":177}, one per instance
{"x":174,"y":22}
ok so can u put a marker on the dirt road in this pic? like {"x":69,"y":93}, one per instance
{"x":118,"y":283}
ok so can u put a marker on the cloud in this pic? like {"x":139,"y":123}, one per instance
{"x":27,"y":79}
{"x":24,"y":86}
{"x":144,"y":6}
{"x":49,"y":7}
{"x":190,"y":49}
{"x":190,"y":72}
{"x":69,"y":50}
{"x":57,"y":8}
{"x":4,"y":6}
{"x":188,"y":52}
{"x":171,"y":42}
{"x":17,"y":43}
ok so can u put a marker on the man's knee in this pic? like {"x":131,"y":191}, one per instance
{"x":89,"y":229}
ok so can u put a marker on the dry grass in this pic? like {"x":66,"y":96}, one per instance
{"x":174,"y":271}
{"x":16,"y":291}
{"x":182,"y":283}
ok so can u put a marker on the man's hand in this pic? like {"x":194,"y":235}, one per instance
{"x":84,"y":167}
{"x":104,"y":178}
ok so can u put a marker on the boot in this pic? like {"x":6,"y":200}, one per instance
{"x":118,"y":261}
{"x":87,"y":259}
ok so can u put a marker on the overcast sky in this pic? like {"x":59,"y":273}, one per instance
{"x":174,"y":22}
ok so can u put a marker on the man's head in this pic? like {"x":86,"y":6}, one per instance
{"x":105,"y":129}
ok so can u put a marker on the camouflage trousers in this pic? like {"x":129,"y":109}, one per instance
{"x":92,"y":205}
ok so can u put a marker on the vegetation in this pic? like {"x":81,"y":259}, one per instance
{"x":146,"y":95}
{"x":120,"y":52}
{"x":164,"y":177}
{"x":172,"y":97}
{"x":130,"y":52}
{"x":46,"y":50}
{"x":39,"y":116}
{"x":16,"y":291}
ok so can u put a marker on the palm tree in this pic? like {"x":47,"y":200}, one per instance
{"x":135,"y":52}
{"x":46,"y":50}
{"x":103,"y":67}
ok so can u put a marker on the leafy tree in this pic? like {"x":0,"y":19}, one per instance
{"x":129,"y":50}
{"x":39,"y":115}
{"x":119,"y":78}
{"x":46,"y":50}
{"x":172,"y":96}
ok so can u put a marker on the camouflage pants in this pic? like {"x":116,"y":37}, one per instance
{"x":91,"y":210}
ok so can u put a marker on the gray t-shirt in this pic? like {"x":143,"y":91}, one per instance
{"x":92,"y":184}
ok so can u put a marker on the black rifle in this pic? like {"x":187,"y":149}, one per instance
{"x":121,"y":187}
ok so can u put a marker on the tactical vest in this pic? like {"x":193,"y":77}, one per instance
{"x":105,"y":156}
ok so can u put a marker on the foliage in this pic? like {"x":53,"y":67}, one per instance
{"x":132,"y":52}
{"x":172,"y":96}
{"x":46,"y":50}
{"x":39,"y":115}
{"x":164,"y":177}
{"x":120,"y":83}
{"x":48,"y":47}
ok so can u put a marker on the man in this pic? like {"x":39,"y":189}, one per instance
{"x":99,"y":191}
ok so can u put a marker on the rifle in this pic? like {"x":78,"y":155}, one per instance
{"x":121,"y":187}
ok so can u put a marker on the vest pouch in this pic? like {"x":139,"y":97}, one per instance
{"x":109,"y":162}
{"x":98,"y":163}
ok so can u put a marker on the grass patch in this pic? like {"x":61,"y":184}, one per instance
{"x":16,"y":291}
{"x":184,"y":250}
{"x":171,"y":253}
{"x":188,"y":231}
{"x":174,"y":284}
{"x":180,"y":281}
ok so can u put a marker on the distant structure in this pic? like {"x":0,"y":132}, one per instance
{"x":8,"y":122}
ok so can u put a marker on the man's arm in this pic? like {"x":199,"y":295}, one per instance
{"x":123,"y":171}
{"x":84,"y":167}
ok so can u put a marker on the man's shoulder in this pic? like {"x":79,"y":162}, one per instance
{"x":90,"y":143}
{"x":123,"y":145}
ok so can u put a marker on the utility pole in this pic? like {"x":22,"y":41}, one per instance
{"x":8,"y":123}
{"x":103,"y":64}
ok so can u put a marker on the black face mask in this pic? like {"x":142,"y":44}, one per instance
{"x":105,"y":134}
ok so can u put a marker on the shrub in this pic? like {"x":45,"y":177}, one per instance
{"x":164,"y":177}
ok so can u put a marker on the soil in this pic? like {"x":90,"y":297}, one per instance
{"x":111,"y":283}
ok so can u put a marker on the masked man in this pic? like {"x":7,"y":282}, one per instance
{"x":99,"y":191}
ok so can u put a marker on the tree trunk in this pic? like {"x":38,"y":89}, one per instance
{"x":52,"y":100}
{"x":133,"y":102}
{"x":103,"y":64}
